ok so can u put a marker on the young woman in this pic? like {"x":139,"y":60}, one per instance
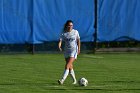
{"x":71,"y":39}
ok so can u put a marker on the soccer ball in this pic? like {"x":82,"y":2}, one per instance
{"x":83,"y":82}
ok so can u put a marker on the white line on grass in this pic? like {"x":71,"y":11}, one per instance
{"x":106,"y":86}
{"x":53,"y":86}
{"x":91,"y":56}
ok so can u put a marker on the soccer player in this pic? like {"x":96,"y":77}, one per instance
{"x":71,"y":39}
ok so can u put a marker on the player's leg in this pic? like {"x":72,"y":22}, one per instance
{"x":68,"y":67}
{"x":72,"y":73}
{"x":73,"y":76}
{"x":66,"y":72}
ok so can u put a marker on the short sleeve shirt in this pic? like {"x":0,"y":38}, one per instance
{"x":70,"y":39}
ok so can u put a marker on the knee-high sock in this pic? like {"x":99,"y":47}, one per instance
{"x":72,"y":75}
{"x":66,"y":72}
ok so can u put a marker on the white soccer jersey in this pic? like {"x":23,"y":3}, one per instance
{"x":70,"y":39}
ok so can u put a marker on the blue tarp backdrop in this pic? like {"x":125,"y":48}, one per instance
{"x":37,"y":21}
{"x":118,"y":20}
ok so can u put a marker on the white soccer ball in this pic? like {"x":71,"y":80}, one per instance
{"x":83,"y":82}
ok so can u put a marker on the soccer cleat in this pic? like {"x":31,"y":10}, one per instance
{"x":74,"y":82}
{"x":60,"y":82}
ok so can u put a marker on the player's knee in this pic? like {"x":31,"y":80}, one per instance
{"x":68,"y":66}
{"x":71,"y":67}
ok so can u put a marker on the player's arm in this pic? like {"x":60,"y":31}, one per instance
{"x":60,"y":44}
{"x":79,"y":45}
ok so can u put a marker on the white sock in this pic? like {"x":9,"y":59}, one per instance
{"x":72,"y":75}
{"x":66,"y":72}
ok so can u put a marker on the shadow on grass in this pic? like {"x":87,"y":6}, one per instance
{"x":122,"y":81}
{"x":55,"y":86}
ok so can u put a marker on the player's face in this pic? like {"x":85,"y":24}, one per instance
{"x":70,"y":26}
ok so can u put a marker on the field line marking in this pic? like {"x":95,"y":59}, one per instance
{"x":92,"y":56}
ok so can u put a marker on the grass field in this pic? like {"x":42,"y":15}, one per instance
{"x":106,"y":73}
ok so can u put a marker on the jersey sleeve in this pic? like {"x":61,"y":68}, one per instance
{"x":61,"y":37}
{"x":78,"y":36}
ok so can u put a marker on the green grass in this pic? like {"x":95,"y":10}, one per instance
{"x":106,"y":73}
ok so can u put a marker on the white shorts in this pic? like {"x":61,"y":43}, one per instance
{"x":69,"y":53}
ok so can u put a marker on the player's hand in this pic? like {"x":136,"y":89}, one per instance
{"x":78,"y":52}
{"x":60,"y":48}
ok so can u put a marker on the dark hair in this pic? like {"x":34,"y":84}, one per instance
{"x":66,"y":24}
